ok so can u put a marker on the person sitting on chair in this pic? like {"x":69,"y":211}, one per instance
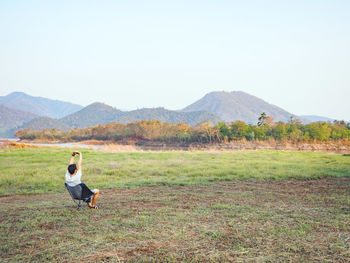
{"x":73,"y":177}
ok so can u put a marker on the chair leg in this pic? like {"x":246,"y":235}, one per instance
{"x":80,"y":205}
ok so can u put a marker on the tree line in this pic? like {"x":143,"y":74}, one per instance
{"x":266,"y":129}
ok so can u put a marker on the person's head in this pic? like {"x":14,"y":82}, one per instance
{"x":72,"y":168}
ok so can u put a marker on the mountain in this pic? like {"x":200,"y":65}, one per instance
{"x":214,"y":107}
{"x":315,"y":118}
{"x":38,"y":105}
{"x":41,"y":123}
{"x":99,"y":113}
{"x":237,"y":105}
{"x":164,"y":115}
{"x":91,"y":115}
{"x":11,"y":119}
{"x":40,"y":113}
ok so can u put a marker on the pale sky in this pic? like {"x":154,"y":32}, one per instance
{"x":134,"y":54}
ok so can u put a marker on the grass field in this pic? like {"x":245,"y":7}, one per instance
{"x":250,"y":206}
{"x":42,"y":170}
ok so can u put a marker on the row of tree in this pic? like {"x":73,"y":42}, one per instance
{"x":155,"y":130}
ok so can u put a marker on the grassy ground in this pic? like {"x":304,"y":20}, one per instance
{"x":201,"y":207}
{"x":41,"y":170}
{"x":254,"y":220}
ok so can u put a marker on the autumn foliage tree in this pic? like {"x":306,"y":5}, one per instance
{"x":206,"y":132}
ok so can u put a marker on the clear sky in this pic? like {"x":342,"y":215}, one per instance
{"x":134,"y":54}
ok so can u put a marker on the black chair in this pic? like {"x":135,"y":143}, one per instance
{"x":80,"y":193}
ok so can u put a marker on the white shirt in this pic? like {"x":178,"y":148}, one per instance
{"x":73,"y":180}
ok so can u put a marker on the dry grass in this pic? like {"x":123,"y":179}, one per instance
{"x":237,"y":221}
{"x":15,"y":145}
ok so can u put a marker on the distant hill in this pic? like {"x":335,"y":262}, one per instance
{"x":91,"y":115}
{"x":315,"y":118}
{"x":238,"y":105}
{"x":38,"y":105}
{"x":11,"y":119}
{"x":41,"y":123}
{"x":164,"y":115}
{"x":22,"y":111}
{"x":99,"y":113}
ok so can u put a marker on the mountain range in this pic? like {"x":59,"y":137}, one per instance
{"x":19,"y":110}
{"x":315,"y":118}
{"x":99,"y":113}
{"x":38,"y":105}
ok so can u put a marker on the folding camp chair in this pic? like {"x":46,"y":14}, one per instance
{"x":80,"y":193}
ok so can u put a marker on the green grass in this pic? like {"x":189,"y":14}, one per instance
{"x":40,"y":170}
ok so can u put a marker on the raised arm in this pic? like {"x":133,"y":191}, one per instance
{"x":72,"y":158}
{"x":80,"y":163}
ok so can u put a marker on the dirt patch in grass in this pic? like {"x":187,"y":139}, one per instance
{"x":243,"y":220}
{"x":48,"y":226}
